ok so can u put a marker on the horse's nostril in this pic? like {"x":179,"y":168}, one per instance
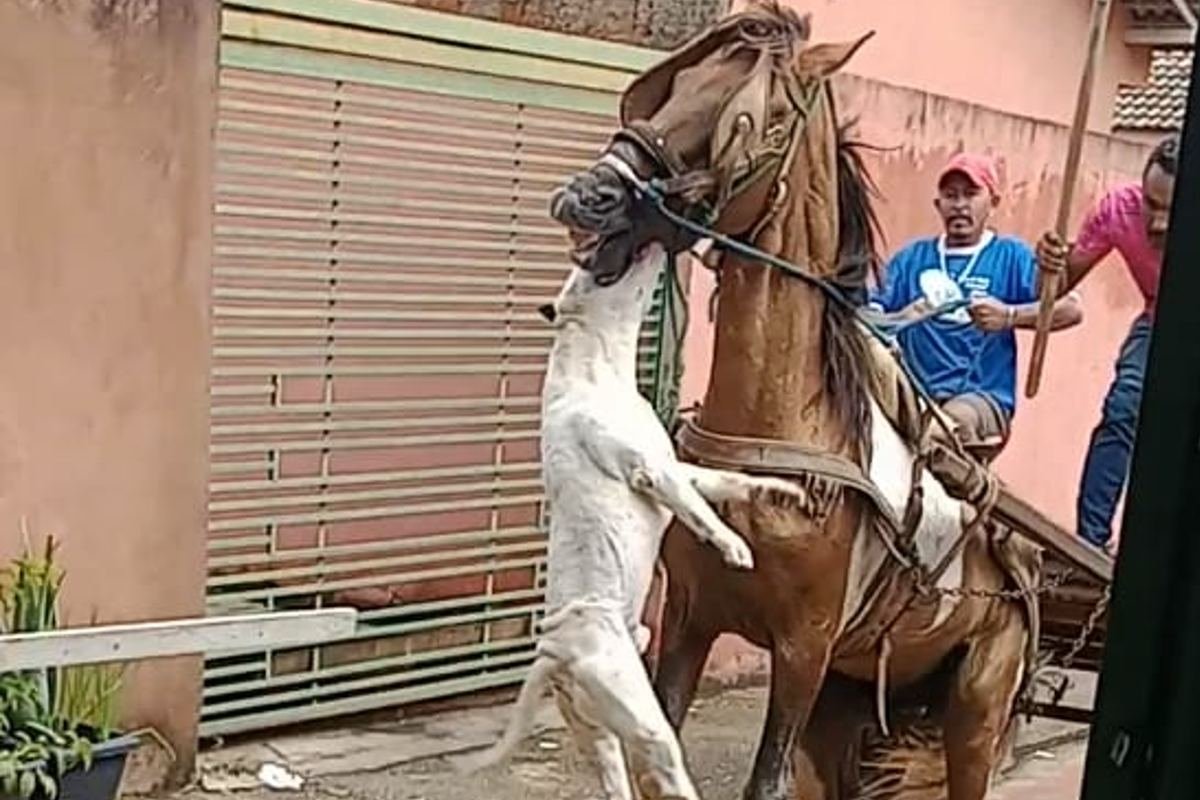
{"x":603,"y":198}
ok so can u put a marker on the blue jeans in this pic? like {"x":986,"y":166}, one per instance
{"x":1107,"y":464}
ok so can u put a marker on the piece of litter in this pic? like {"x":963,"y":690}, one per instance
{"x":548,"y":745}
{"x":1045,"y":755}
{"x":279,"y":778}
{"x":224,"y":782}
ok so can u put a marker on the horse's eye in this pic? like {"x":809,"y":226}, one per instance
{"x":757,"y":28}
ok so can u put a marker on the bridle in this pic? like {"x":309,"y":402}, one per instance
{"x":702,"y":194}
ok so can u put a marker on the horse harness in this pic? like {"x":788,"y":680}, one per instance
{"x":673,"y":181}
{"x":689,"y":188}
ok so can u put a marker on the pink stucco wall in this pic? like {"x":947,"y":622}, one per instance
{"x":1022,"y":57}
{"x":106,"y":114}
{"x":1043,"y":460}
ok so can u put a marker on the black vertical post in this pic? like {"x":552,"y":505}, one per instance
{"x":1145,"y":742}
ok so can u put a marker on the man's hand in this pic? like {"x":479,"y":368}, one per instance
{"x":1052,"y":253}
{"x":990,"y":315}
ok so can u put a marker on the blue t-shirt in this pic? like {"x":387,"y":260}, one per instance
{"x":949,"y":355}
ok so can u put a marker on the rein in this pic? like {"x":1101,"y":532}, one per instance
{"x":653,"y":191}
{"x":775,"y":457}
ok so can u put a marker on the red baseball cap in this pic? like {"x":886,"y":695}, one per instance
{"x":979,"y":169}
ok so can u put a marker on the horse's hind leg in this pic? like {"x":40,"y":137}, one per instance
{"x":980,"y":706}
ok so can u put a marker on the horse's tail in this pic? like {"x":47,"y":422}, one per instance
{"x":522,"y":720}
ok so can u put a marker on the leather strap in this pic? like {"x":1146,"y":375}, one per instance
{"x":773,"y":457}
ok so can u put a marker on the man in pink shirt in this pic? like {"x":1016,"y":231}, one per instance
{"x":1131,"y":219}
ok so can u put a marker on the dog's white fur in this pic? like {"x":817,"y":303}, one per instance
{"x":612,"y":484}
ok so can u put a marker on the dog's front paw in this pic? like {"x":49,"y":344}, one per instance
{"x":737,"y":553}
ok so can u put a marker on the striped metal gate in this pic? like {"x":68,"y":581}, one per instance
{"x":382,"y":243}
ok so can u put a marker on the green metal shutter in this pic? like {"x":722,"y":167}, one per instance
{"x":382,"y":244}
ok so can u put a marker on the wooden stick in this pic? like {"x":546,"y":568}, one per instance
{"x":1050,"y":281}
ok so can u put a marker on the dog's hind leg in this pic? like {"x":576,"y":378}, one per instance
{"x":602,"y":747}
{"x":674,"y":489}
{"x":724,"y":486}
{"x":615,"y":691}
{"x":522,"y":719}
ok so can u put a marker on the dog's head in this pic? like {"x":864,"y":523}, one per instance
{"x":626,"y":300}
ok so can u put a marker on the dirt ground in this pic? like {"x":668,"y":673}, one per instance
{"x":719,"y":740}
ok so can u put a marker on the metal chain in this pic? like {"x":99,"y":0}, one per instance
{"x":1058,"y":690}
{"x":1089,"y":627}
{"x":1056,"y":582}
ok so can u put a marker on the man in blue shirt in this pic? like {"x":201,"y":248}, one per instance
{"x":967,"y":359}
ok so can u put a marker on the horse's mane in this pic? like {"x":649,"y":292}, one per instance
{"x":847,"y":358}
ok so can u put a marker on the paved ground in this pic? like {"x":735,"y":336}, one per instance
{"x":406,"y":760}
{"x":1057,"y":775}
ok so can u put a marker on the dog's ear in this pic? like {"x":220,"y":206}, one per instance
{"x":548,"y":312}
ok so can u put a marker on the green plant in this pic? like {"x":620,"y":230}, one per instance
{"x":89,"y":697}
{"x":49,"y":718}
{"x":35,"y":748}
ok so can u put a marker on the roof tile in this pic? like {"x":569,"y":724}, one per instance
{"x":1160,"y":103}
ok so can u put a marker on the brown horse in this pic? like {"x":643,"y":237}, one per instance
{"x":738,"y":128}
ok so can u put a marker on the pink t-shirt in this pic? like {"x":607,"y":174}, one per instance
{"x":1117,"y":223}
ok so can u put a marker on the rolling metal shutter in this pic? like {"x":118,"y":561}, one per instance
{"x":382,"y":244}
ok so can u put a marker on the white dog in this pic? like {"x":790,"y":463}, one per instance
{"x":612,"y":484}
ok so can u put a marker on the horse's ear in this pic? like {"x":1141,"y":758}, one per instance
{"x":822,"y":60}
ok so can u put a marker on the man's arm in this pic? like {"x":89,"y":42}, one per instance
{"x":1016,"y":300}
{"x":1068,"y":312}
{"x":1075,"y":261}
{"x":893,"y":303}
{"x":992,"y":315}
{"x":1068,"y":260}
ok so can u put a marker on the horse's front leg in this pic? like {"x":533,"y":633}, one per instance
{"x":687,"y":632}
{"x":980,"y":706}
{"x":798,"y":666}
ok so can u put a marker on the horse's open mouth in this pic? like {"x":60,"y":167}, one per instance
{"x":606,"y":255}
{"x":584,"y":246}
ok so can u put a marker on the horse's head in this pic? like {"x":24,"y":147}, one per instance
{"x":711,"y":126}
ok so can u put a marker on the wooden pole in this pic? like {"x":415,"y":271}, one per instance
{"x":1083,"y":103}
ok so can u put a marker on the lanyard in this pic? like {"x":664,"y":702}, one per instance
{"x":986,"y":240}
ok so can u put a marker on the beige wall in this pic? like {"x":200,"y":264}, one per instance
{"x":105,"y":127}
{"x":1023,"y":57}
{"x":1043,"y":460}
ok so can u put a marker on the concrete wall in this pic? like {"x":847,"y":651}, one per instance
{"x":654,"y":23}
{"x":1044,"y":458}
{"x":1019,"y":56}
{"x":106,"y":114}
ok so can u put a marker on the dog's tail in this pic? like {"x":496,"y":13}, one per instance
{"x":522,"y":720}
